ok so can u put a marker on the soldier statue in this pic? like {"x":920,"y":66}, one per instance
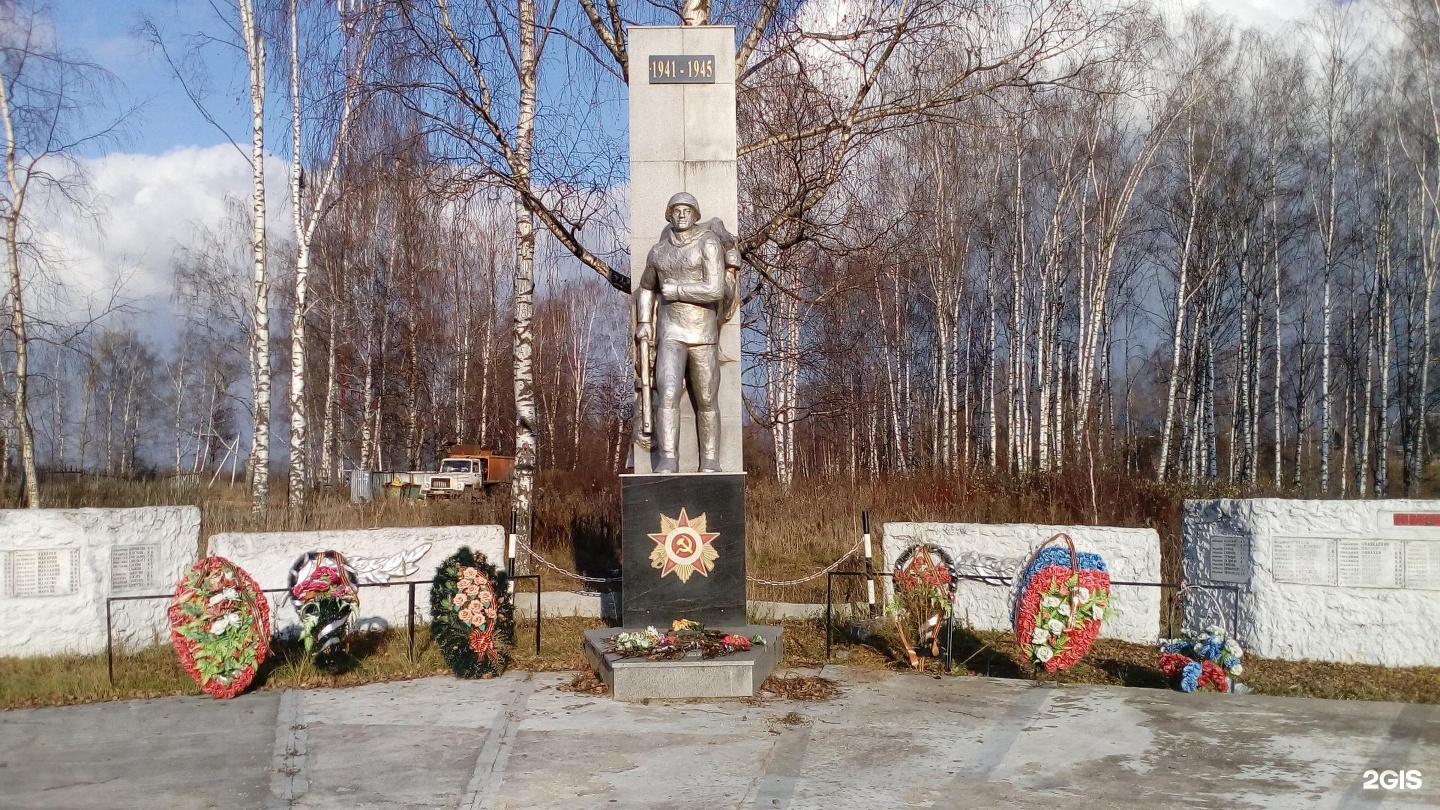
{"x":687,"y":292}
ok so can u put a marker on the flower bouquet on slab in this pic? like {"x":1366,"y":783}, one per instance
{"x":1208,"y":662}
{"x":1061,"y":605}
{"x":219,"y":626}
{"x":686,"y":638}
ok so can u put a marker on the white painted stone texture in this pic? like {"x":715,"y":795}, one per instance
{"x":268,"y":557}
{"x":57,"y":566}
{"x":1343,"y":581}
{"x":1131,"y":555}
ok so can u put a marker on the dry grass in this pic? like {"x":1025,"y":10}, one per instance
{"x":790,"y":533}
{"x":156,"y":672}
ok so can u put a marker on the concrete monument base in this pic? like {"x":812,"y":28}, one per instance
{"x":734,"y":676}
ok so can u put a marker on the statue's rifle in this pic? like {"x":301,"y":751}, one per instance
{"x":644,"y":352}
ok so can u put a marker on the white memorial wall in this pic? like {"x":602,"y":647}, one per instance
{"x":379,"y":555}
{"x":983,"y":549}
{"x":58,"y":566}
{"x":1343,"y":581}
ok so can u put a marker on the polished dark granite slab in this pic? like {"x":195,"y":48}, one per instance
{"x":683,"y":548}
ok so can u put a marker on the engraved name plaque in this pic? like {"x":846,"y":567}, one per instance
{"x":42,"y":572}
{"x":682,"y":69}
{"x":1370,"y":564}
{"x":1422,"y":566}
{"x":1228,"y":559}
{"x":1304,"y":560}
{"x":132,"y":567}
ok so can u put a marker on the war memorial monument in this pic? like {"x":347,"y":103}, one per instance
{"x":683,"y":508}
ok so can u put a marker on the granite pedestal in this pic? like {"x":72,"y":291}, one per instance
{"x":735,"y":675}
{"x":683,"y":549}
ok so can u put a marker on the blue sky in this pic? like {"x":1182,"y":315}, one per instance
{"x":108,"y":33}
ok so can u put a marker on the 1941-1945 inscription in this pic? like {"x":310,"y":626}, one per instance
{"x":682,"y":69}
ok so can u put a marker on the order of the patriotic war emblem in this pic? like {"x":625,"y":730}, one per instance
{"x":683,"y":547}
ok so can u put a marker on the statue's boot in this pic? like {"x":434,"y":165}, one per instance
{"x":667,"y":433}
{"x":707,"y":426}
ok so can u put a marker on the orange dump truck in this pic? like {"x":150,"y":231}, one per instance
{"x":467,"y":467}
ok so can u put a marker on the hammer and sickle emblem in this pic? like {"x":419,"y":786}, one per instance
{"x":685,"y":545}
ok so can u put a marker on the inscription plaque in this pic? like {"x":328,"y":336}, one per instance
{"x":1304,"y":560}
{"x":1228,"y":559}
{"x":1422,"y":565}
{"x":1370,"y":564}
{"x":132,"y":567}
{"x":42,"y":572}
{"x":1415,"y":519}
{"x":682,"y":69}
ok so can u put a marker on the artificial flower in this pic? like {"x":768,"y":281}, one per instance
{"x":1050,"y":602}
{"x":1039,"y":636}
{"x":1056,"y":626}
{"x":1190,"y":676}
{"x":1043,"y":653}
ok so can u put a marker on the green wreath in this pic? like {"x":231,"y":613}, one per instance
{"x":472,"y":617}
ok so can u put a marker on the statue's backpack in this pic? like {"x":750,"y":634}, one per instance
{"x":731,"y":302}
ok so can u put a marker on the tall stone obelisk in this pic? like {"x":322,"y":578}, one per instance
{"x":683,"y":529}
{"x":682,"y":138}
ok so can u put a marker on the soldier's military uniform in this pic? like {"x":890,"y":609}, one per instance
{"x":687,"y":332}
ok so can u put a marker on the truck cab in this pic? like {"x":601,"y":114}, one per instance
{"x":468,"y":468}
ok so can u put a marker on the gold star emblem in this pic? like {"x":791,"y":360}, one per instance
{"x":684,"y":547}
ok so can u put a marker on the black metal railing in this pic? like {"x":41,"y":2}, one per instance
{"x":949,"y":625}
{"x":409,"y":616}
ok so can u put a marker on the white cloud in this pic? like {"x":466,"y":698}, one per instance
{"x":1266,"y":14}
{"x":152,"y":205}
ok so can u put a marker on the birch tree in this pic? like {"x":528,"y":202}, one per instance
{"x":254,"y":41}
{"x":356,"y":30}
{"x":45,"y":95}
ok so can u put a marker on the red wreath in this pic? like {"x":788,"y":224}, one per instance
{"x":250,"y":593}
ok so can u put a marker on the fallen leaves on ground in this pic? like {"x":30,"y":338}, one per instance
{"x":801,"y":687}
{"x":585,"y":683}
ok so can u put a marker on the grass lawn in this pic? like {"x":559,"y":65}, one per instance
{"x":385,"y":656}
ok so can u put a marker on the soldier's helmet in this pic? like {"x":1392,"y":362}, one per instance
{"x":682,"y":199}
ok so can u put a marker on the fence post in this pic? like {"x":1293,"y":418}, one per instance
{"x":410,"y":619}
{"x":829,"y":585}
{"x":869,"y":564}
{"x":109,"y":645}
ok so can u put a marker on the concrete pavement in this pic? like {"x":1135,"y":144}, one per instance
{"x":889,"y":740}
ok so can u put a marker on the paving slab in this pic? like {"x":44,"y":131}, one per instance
{"x":183,"y":752}
{"x":889,"y":740}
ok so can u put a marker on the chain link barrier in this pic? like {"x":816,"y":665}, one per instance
{"x":557,"y":569}
{"x":822,"y":572}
